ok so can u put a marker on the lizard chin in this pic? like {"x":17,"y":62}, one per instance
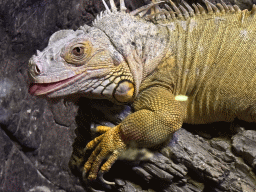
{"x":40,"y":89}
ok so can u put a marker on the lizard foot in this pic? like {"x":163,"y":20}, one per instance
{"x":107,"y":146}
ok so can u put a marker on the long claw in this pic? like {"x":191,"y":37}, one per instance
{"x":101,"y":178}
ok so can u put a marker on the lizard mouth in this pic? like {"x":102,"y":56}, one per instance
{"x":47,"y":88}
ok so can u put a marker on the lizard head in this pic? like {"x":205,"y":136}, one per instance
{"x":82,"y":61}
{"x":108,"y":60}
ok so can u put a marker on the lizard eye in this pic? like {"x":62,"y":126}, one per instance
{"x":77,"y":54}
{"x":78,"y":51}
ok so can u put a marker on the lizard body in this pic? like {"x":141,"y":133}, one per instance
{"x":179,"y":64}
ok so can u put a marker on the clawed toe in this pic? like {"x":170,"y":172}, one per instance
{"x":101,"y":178}
{"x":107,"y":146}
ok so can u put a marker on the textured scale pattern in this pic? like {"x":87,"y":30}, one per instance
{"x":157,"y":106}
{"x":177,"y":64}
{"x":216,"y":60}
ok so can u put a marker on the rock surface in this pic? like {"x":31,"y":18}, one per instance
{"x":41,"y":143}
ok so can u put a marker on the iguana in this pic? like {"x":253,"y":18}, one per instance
{"x":176,"y":64}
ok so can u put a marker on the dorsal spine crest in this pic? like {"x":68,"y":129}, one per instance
{"x":172,"y":11}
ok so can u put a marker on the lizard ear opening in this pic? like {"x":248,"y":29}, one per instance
{"x":124,"y":91}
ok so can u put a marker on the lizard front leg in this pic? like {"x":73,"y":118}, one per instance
{"x":157,"y":115}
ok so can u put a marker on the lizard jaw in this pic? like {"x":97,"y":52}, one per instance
{"x":47,"y":88}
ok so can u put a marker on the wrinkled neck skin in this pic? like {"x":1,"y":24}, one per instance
{"x":143,"y":44}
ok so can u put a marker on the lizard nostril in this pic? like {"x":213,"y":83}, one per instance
{"x":37,"y":70}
